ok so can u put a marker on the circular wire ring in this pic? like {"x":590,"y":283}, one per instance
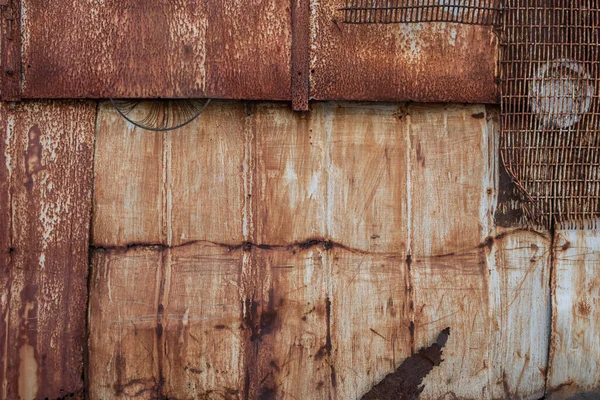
{"x":161,"y":114}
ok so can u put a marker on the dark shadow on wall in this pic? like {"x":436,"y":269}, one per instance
{"x":405,"y":382}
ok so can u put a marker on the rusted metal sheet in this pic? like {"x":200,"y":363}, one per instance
{"x":575,"y":348}
{"x":47,"y":150}
{"x":354,"y":235}
{"x":192,"y":49}
{"x":166,"y":322}
{"x":300,"y":52}
{"x":519,"y":265}
{"x":10,"y":43}
{"x":259,"y":50}
{"x":463,"y":271}
{"x":426,"y":62}
{"x":165,"y":175}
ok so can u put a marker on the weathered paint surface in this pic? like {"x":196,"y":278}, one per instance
{"x":575,"y":347}
{"x":179,"y":48}
{"x":325,"y":249}
{"x":162,"y":182}
{"x":46,"y":151}
{"x":261,"y":49}
{"x":397,"y":62}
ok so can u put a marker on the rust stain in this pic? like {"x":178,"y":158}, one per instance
{"x":44,"y":327}
{"x":28,"y":371}
{"x":28,"y":365}
{"x":33,"y":154}
{"x":300,"y":54}
{"x":325,"y":350}
{"x":10,"y":57}
{"x":400,"y":62}
{"x":583,"y":308}
{"x":294,"y":247}
{"x":226,"y":50}
{"x":189,"y":49}
{"x":405,"y":382}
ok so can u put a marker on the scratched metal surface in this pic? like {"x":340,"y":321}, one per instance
{"x":307,"y":256}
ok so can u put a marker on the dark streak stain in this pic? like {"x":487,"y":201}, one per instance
{"x":220,"y":326}
{"x":159,"y":334}
{"x":411,"y":304}
{"x":328,"y":322}
{"x":267,"y":393}
{"x":377,"y":333}
{"x":405,"y":382}
{"x":259,"y":324}
{"x":480,"y":115}
{"x":509,"y":212}
{"x":489,"y":242}
{"x":505,"y":386}
{"x":78,"y":395}
{"x":333,"y":376}
{"x":325,"y":244}
{"x":246,"y":384}
{"x":420,"y":156}
{"x":119,"y":369}
{"x":320,"y":353}
{"x":274,"y":365}
{"x":193,"y":370}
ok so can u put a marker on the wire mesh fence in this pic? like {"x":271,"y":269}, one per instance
{"x":550,"y":110}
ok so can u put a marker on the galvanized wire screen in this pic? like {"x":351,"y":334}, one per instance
{"x":550,"y":143}
{"x":480,"y":12}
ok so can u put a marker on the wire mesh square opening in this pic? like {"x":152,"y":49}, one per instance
{"x":476,"y":12}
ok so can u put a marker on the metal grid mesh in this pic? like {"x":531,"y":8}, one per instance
{"x":480,"y":12}
{"x":550,"y":107}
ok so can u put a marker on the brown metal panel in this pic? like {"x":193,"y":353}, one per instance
{"x":248,"y":50}
{"x":366,"y":231}
{"x":47,"y":162}
{"x":425,"y":62}
{"x":175,"y":48}
{"x":300,"y":54}
{"x":166,"y":323}
{"x":10,"y":58}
